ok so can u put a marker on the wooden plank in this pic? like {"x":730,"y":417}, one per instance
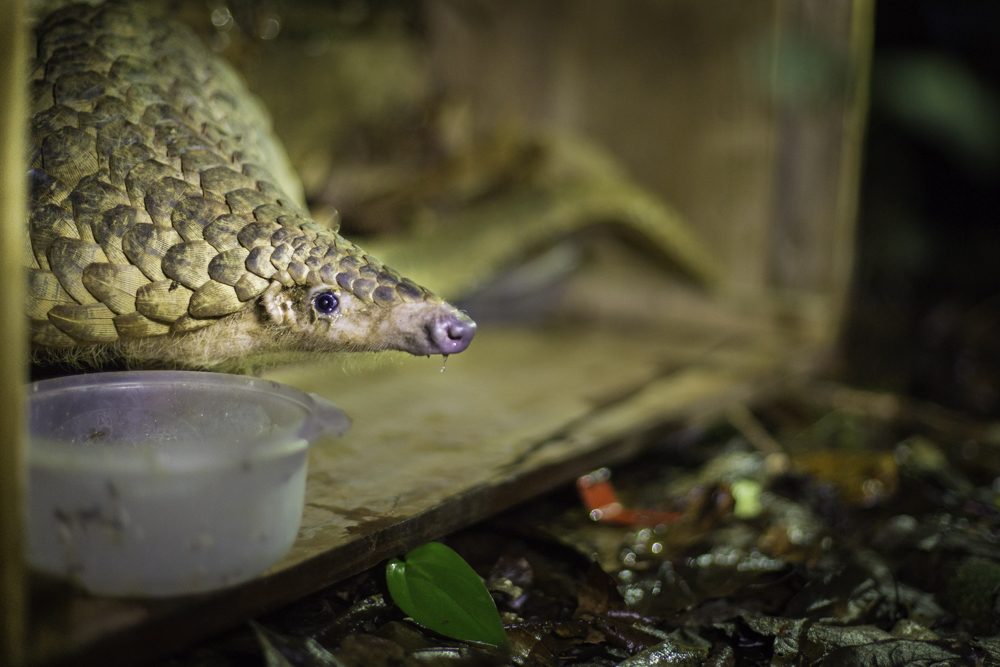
{"x":485,"y":416}
{"x":520,"y":413}
{"x":821,"y":138}
{"x":13,"y":352}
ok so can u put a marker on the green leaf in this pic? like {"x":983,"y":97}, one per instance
{"x":442,"y":592}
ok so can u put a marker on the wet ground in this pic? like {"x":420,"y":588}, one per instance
{"x":827,"y":527}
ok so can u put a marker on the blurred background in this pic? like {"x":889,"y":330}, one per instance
{"x":925,"y":313}
{"x":731,"y":129}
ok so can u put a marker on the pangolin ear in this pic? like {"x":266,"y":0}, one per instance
{"x":277,"y":304}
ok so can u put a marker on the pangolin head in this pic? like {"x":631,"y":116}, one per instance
{"x":338,"y":298}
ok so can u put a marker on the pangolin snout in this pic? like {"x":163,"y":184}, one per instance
{"x":452,"y":332}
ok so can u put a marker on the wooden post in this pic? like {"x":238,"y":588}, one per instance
{"x":849,"y":185}
{"x":13,"y":349}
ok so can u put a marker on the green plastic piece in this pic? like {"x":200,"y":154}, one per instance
{"x":441,"y":592}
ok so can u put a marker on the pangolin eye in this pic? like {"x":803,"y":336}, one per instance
{"x":325,"y":303}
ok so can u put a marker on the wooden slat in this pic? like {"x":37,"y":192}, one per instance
{"x":862,"y":41}
{"x":820,"y":144}
{"x":13,"y":358}
{"x":518,"y":414}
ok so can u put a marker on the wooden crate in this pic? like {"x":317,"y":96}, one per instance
{"x":702,"y":105}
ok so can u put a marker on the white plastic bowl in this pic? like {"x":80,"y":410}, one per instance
{"x":167,"y":482}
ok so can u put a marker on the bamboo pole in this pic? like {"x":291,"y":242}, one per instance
{"x":13,"y":65}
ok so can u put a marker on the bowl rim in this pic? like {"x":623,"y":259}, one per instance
{"x":54,"y":454}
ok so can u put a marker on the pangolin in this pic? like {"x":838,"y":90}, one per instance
{"x":164,"y":226}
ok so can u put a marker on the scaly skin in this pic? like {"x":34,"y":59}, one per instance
{"x":164,"y":223}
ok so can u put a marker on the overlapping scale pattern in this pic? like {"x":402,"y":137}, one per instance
{"x":160,"y":200}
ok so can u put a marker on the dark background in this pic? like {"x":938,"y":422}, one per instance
{"x":925,"y":314}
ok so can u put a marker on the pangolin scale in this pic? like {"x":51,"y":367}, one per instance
{"x":164,"y":225}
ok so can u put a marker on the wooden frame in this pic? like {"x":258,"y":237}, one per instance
{"x":13,"y":359}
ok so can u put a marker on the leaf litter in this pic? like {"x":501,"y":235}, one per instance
{"x":867,"y":536}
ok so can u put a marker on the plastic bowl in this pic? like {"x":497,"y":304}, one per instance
{"x":167,"y":482}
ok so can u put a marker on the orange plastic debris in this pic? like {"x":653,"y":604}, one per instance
{"x":599,"y":496}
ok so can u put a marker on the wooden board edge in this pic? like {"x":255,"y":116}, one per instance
{"x":13,"y":351}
